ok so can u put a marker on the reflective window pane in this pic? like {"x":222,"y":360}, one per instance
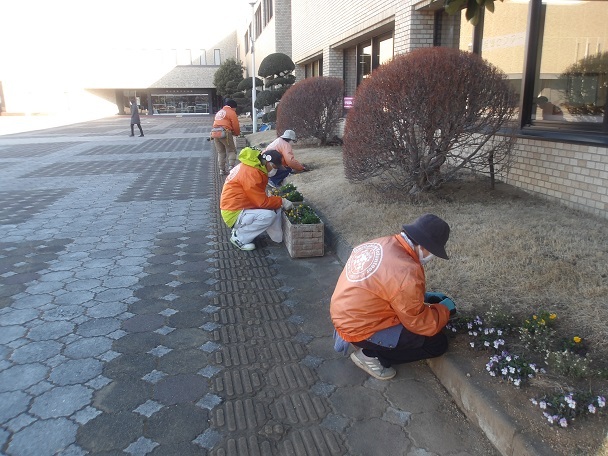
{"x":571,"y":80}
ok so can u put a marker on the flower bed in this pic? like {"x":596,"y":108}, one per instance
{"x":303,"y":232}
{"x":288,"y":191}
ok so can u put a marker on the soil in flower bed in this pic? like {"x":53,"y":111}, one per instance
{"x":585,"y":436}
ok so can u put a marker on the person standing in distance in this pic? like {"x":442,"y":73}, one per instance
{"x":227,"y":119}
{"x":135,"y":118}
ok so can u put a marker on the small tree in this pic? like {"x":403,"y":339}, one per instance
{"x":229,"y":71}
{"x":312,"y":108}
{"x":276,"y":69}
{"x":426,"y":115}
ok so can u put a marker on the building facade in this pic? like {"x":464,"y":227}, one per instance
{"x":554,"y":52}
{"x":101,"y":82}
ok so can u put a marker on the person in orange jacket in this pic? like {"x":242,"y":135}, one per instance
{"x":380,"y":304}
{"x":244,"y":205}
{"x":228,"y":120}
{"x":283,"y":145}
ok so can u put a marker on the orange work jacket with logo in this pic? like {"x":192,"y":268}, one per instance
{"x":245,"y":188}
{"x":382,"y":285}
{"x":227,"y":118}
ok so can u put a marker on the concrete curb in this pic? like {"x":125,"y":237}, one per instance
{"x":476,"y":404}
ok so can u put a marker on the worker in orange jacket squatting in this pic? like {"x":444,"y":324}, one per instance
{"x":290,"y":165}
{"x":244,"y":205}
{"x":380,"y":304}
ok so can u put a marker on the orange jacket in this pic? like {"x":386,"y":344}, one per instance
{"x":284,"y":148}
{"x":382,"y":285}
{"x":227,"y":118}
{"x":245,"y":188}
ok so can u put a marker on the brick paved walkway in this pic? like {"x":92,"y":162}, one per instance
{"x":130,"y":325}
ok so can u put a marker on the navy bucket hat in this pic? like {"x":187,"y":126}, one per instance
{"x":431,"y":232}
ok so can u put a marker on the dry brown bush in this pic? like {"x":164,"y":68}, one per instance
{"x":426,"y":116}
{"x":312,"y":108}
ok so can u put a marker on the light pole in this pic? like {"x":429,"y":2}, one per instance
{"x":254,"y":114}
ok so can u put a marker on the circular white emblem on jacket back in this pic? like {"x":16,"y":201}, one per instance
{"x":363,"y":262}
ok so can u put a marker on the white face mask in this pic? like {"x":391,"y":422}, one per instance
{"x":424,"y":259}
{"x":272,"y":172}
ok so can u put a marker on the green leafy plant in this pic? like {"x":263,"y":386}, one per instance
{"x":568,"y":363}
{"x":288,"y":191}
{"x":537,"y":332}
{"x":302,"y":215}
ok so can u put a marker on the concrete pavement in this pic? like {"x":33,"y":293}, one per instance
{"x":130,"y":325}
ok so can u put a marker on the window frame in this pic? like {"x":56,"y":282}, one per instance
{"x":580,"y":132}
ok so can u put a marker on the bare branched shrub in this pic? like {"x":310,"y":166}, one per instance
{"x":311,"y":107}
{"x":425,"y":116}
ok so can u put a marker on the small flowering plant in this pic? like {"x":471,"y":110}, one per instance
{"x":575,"y":345}
{"x":484,"y":337}
{"x":302,"y":214}
{"x":561,"y":409}
{"x":288,"y":191}
{"x":537,"y":331}
{"x":511,"y":368}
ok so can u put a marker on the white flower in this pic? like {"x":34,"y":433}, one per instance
{"x":591,"y":408}
{"x":601,"y":401}
{"x":511,"y":369}
{"x":517,"y":382}
{"x":493,"y":374}
{"x":499,"y":332}
{"x":563,"y":422}
{"x":542,"y":405}
{"x":472,"y":344}
{"x":504,"y":371}
{"x":534,"y":401}
{"x":486,"y":343}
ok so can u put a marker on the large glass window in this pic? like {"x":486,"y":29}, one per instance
{"x":383,"y":49}
{"x":561,"y":77}
{"x":314,"y":69}
{"x":267,"y":11}
{"x":373,"y":53}
{"x":169,"y":103}
{"x":571,"y":79}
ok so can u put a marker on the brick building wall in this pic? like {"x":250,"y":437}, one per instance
{"x":574,"y":175}
{"x":282,"y":24}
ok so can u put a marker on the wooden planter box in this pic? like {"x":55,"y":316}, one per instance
{"x":303,"y":240}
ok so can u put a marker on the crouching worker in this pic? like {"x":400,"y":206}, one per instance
{"x":244,"y":205}
{"x":379,"y":301}
{"x":290,"y":165}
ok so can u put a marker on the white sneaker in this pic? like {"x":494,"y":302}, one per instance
{"x":372,"y":366}
{"x":237,"y":243}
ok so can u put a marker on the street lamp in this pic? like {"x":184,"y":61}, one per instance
{"x":254,"y":114}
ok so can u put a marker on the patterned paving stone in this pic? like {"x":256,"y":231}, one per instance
{"x":186,"y":421}
{"x":56,"y":434}
{"x":122,"y":395}
{"x":180,"y":388}
{"x":34,"y":150}
{"x":123,"y":427}
{"x":150,"y":145}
